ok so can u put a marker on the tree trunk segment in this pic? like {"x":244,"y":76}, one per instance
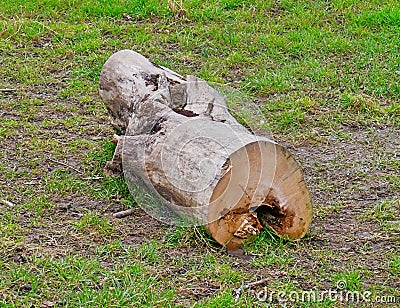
{"x":180,"y":145}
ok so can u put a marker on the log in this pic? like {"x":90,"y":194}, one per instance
{"x":186,"y":156}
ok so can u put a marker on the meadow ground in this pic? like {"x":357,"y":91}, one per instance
{"x":325,"y":76}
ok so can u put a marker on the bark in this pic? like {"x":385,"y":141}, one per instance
{"x":189,"y":156}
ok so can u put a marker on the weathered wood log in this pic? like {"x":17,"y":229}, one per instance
{"x":180,"y":144}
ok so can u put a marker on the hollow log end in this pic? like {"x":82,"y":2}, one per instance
{"x":264,"y":188}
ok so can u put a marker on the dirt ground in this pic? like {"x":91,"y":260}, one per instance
{"x":348,"y":178}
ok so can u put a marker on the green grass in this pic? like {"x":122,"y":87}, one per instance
{"x":349,"y":279}
{"x":90,"y":222}
{"x":321,"y":77}
{"x":76,"y":281}
{"x":394,"y":265}
{"x":386,"y":213}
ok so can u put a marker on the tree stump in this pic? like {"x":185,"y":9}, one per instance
{"x":180,"y":147}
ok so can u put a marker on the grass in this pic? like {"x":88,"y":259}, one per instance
{"x":394,"y":265}
{"x":321,"y":77}
{"x":386,"y":213}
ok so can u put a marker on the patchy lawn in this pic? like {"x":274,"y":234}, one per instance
{"x":325,"y":77}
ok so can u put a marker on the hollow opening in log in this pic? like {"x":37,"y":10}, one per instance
{"x":157,"y":126}
{"x":272,"y":215}
{"x":184,"y":112}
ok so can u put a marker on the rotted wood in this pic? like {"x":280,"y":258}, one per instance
{"x":179,"y":143}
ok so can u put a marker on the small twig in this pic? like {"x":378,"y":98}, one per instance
{"x":64,"y":164}
{"x":93,"y":178}
{"x":123,"y":214}
{"x":64,"y":143}
{"x":8,"y":90}
{"x":31,"y":183}
{"x":365,"y":199}
{"x":7,"y":202}
{"x":239,"y":291}
{"x":256,"y":283}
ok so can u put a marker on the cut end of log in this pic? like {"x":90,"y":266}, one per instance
{"x":261,"y":187}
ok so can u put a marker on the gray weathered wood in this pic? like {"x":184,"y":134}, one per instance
{"x":180,"y":144}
